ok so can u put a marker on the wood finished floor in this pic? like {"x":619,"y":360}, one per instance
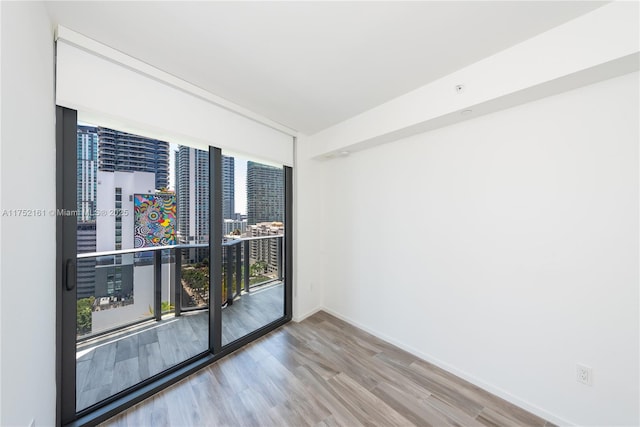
{"x":323,"y":372}
{"x":252,"y":311}
{"x":113,"y":363}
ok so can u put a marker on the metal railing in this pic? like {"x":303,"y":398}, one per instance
{"x":234,"y":261}
{"x":237,"y":254}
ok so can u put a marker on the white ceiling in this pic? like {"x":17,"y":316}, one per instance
{"x":309,"y":65}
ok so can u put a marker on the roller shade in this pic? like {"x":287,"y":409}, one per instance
{"x":111,"y":89}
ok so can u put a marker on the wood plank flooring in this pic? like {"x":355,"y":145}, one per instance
{"x":252,"y":311}
{"x":323,"y":372}
{"x":113,"y":363}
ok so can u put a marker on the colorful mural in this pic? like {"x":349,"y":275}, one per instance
{"x":154,"y":219}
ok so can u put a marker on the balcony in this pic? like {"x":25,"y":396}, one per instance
{"x":148,"y":324}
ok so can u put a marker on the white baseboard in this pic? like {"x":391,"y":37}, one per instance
{"x":536,"y":410}
{"x":301,"y":317}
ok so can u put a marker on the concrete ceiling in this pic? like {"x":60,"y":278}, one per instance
{"x":309,"y":65}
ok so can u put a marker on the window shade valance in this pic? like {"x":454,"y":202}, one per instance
{"x":115,"y":90}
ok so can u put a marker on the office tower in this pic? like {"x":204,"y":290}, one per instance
{"x":192,"y":190}
{"x":124,"y":152}
{"x":265,"y":193}
{"x":87,"y":167}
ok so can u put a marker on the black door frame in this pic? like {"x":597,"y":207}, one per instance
{"x":66,"y":230}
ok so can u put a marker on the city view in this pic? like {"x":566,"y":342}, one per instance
{"x":135,"y":193}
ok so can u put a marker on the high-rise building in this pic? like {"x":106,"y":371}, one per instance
{"x":268,"y":251}
{"x":233,"y":226}
{"x":228,"y":187}
{"x":116,"y":231}
{"x":176,"y":183}
{"x":87,"y":168}
{"x":86,"y":270}
{"x":125,"y":152}
{"x":265,"y":193}
{"x":192,"y":190}
{"x":86,"y":192}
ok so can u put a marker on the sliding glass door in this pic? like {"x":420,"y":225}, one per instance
{"x":161,"y":268}
{"x":253,"y":246}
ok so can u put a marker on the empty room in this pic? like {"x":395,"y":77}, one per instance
{"x":324,"y":213}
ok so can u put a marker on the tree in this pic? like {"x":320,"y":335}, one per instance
{"x":83,"y":319}
{"x":262,"y":266}
{"x":253,"y":270}
{"x":166,"y":306}
{"x":257,"y":268}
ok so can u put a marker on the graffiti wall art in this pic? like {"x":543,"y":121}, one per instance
{"x":154,"y":220}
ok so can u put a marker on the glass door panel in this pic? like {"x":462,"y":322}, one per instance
{"x":253,"y":246}
{"x":142,"y":302}
{"x":168,"y":256}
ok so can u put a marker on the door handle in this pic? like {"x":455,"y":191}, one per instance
{"x":70,"y":275}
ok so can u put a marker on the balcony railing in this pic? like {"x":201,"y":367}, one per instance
{"x":237,"y":275}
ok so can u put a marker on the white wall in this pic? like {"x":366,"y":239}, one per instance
{"x":1,"y":205}
{"x":28,"y":243}
{"x":503,"y":248}
{"x":309,"y":232}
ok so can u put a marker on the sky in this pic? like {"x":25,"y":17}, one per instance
{"x":241,"y":185}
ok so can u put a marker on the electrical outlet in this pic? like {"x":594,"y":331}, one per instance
{"x":584,"y":374}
